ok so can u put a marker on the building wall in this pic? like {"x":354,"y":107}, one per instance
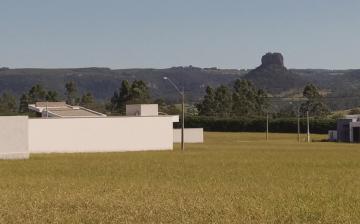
{"x":142,"y":110}
{"x":191,"y":135}
{"x":14,"y":137}
{"x":100,"y":134}
{"x":343,"y":130}
{"x":352,"y":126}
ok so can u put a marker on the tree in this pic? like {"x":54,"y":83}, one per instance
{"x":36,"y":94}
{"x":87,"y":100}
{"x":120,"y":97}
{"x":247,"y":100}
{"x":244,"y":100}
{"x":223,"y":101}
{"x":167,"y":108}
{"x":137,"y":92}
{"x":314,"y":104}
{"x":207,"y":106}
{"x":24,"y":102}
{"x":71,"y":92}
{"x":7,"y":104}
{"x":52,"y":96}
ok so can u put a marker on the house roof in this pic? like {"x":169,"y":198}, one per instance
{"x":63,"y":110}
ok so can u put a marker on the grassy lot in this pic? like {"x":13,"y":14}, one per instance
{"x":232,"y":178}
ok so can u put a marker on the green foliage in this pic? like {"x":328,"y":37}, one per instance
{"x":24,"y":102}
{"x":87,"y":100}
{"x":37,"y":93}
{"x":208,"y":106}
{"x":71,"y":93}
{"x":165,"y":108}
{"x":314,"y":104}
{"x":7,"y":104}
{"x":279,"y":125}
{"x":52,"y":96}
{"x":135,"y":93}
{"x":247,"y":100}
{"x":223,"y":100}
{"x":243,"y":100}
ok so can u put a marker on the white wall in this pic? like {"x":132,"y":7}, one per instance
{"x":191,"y":135}
{"x":14,"y":137}
{"x":100,"y":134}
{"x":142,"y":110}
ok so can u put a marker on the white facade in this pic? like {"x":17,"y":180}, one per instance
{"x":20,"y":136}
{"x":191,"y":135}
{"x":111,"y":134}
{"x":142,"y":110}
{"x":14,"y":137}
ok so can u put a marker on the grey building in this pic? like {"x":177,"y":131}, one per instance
{"x":348,"y":129}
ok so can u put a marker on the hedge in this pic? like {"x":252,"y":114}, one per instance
{"x":280,"y":125}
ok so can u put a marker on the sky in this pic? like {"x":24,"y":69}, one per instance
{"x":166,"y":33}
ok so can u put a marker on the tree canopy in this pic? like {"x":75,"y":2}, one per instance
{"x":243,"y":100}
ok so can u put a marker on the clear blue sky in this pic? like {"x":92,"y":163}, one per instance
{"x":165,"y":33}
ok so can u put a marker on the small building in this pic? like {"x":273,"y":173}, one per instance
{"x":62,"y":110}
{"x":61,"y":128}
{"x":348,"y":129}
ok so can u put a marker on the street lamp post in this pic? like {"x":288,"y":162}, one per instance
{"x":182,"y":93}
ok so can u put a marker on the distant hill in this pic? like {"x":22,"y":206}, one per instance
{"x":102,"y":82}
{"x":271,"y":75}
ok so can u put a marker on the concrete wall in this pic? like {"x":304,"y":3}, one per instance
{"x":191,"y":135}
{"x":100,"y":134}
{"x":14,"y":137}
{"x":142,"y":110}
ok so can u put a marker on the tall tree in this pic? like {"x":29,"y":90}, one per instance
{"x":244,"y":100}
{"x":223,"y":101}
{"x":24,"y":102}
{"x":120,"y":97}
{"x":7,"y":104}
{"x":37,"y":93}
{"x":314,"y":104}
{"x":248,"y":100}
{"x":71,"y":92}
{"x":139,"y":92}
{"x":52,"y":96}
{"x":207,"y":107}
{"x":87,"y":100}
{"x":136,"y":92}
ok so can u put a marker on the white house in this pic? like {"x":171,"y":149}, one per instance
{"x":66,"y":129}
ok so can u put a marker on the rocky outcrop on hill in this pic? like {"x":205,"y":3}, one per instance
{"x":273,"y":76}
{"x":272,"y":59}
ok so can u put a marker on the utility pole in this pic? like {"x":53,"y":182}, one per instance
{"x":267,"y":126}
{"x":298,"y":124}
{"x":308,"y":126}
{"x":183,"y":120}
{"x":182,"y":93}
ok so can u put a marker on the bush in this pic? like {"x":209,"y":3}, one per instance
{"x":280,"y":125}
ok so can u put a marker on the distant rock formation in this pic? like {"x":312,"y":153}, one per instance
{"x":272,"y":59}
{"x":273,"y":76}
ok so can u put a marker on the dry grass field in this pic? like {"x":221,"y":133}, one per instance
{"x":232,"y":178}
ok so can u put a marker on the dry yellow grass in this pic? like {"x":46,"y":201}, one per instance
{"x":232,"y":178}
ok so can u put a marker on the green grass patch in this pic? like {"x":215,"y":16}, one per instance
{"x":232,"y":178}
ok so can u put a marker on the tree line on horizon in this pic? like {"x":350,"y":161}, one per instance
{"x":242,"y":99}
{"x":128,"y":93}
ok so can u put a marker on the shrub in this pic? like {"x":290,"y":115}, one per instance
{"x":280,"y":125}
